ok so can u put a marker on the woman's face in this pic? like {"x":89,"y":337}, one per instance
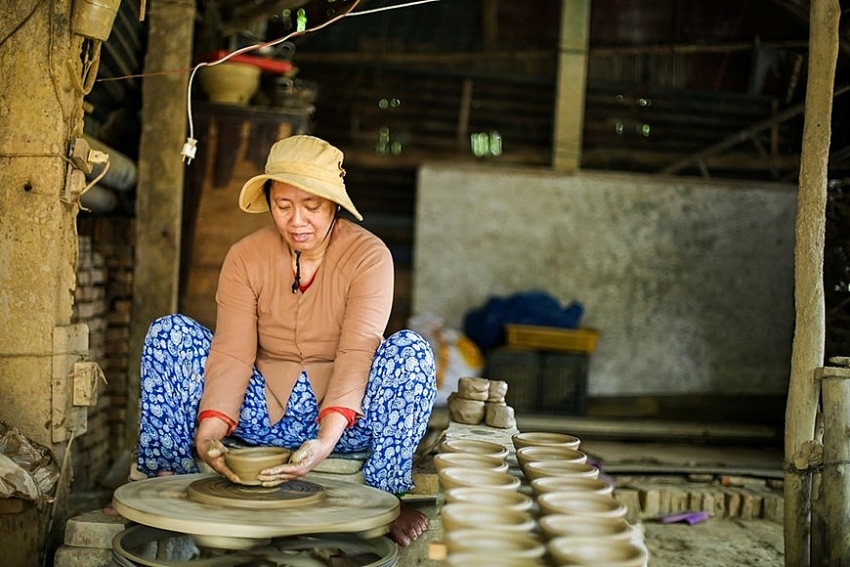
{"x":301,"y":217}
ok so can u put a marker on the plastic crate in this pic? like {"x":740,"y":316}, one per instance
{"x":520,"y":369}
{"x":582,"y":341}
{"x":542,"y":382}
{"x":563,"y":383}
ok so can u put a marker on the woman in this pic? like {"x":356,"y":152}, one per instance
{"x":298,"y":359}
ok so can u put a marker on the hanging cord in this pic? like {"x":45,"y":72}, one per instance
{"x":297,"y":283}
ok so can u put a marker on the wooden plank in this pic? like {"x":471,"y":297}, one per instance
{"x":646,"y":429}
{"x":572,"y":74}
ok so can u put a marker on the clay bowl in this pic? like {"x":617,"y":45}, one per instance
{"x":475,"y":446}
{"x":470,"y":461}
{"x":462,"y":515}
{"x":561,"y":525}
{"x":544,"y":438}
{"x":502,"y":499}
{"x":526,"y":455}
{"x":570,"y":484}
{"x":598,"y":506}
{"x":230,"y":83}
{"x":542,"y":469}
{"x":504,"y":544}
{"x":249,"y":461}
{"x":487,"y":559}
{"x":454,"y":477}
{"x":597,"y":551}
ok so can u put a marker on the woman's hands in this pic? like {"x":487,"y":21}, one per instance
{"x":211,"y":450}
{"x":302,"y":461}
{"x":309,"y":454}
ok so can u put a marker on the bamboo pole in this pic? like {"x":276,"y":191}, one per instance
{"x":833,"y":505}
{"x":809,"y":333}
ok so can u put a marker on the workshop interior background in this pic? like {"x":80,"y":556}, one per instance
{"x":445,"y":112}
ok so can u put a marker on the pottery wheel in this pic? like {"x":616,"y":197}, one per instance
{"x":219,"y":491}
{"x":340,"y":507}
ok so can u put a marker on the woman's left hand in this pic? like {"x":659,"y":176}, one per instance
{"x":302,"y":461}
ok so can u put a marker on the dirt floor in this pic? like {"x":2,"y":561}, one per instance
{"x":719,"y":541}
{"x":726,"y":542}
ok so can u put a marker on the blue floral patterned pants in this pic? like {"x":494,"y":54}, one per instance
{"x":396,"y":407}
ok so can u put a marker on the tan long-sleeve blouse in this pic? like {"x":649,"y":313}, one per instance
{"x":332,"y":329}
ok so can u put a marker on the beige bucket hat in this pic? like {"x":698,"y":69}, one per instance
{"x":307,"y":162}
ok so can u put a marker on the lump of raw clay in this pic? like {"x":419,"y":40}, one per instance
{"x":470,"y":412}
{"x":497,"y":392}
{"x":473,"y":388}
{"x":500,"y":415}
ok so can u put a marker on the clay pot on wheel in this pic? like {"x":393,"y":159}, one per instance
{"x":249,"y":461}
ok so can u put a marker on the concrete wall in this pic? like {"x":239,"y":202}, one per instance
{"x":689,"y":281}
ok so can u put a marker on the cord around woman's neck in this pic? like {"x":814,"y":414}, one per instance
{"x":296,"y":285}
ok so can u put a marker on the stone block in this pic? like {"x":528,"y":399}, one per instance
{"x":650,"y":501}
{"x":773,"y":508}
{"x":733,"y":503}
{"x":93,"y":530}
{"x":679,"y":500}
{"x":751,"y":505}
{"x":67,"y":556}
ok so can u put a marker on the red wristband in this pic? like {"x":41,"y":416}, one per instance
{"x":231,"y":424}
{"x":348,"y":413}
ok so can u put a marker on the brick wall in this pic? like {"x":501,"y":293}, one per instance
{"x":103,"y":301}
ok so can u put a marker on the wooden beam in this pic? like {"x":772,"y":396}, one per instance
{"x":570,"y":92}
{"x":159,"y":203}
{"x":747,"y":133}
{"x":430,"y":59}
{"x":807,"y":350}
{"x":490,"y":23}
{"x":463,"y":116}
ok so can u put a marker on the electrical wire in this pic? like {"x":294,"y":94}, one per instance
{"x":190,"y":147}
{"x":393,"y":7}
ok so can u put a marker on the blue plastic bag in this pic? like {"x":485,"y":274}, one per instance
{"x":485,"y":325}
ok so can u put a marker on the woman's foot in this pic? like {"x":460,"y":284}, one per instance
{"x":410,"y":524}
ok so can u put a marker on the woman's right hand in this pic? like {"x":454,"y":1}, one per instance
{"x":211,"y":450}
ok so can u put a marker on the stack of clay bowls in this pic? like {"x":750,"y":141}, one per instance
{"x":579,"y":518}
{"x":485,"y":519}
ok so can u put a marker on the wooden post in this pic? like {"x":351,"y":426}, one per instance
{"x":833,"y":504}
{"x":572,"y":76}
{"x":159,"y":203}
{"x":809,"y":334}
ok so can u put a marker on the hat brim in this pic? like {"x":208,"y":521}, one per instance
{"x":252,"y":199}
